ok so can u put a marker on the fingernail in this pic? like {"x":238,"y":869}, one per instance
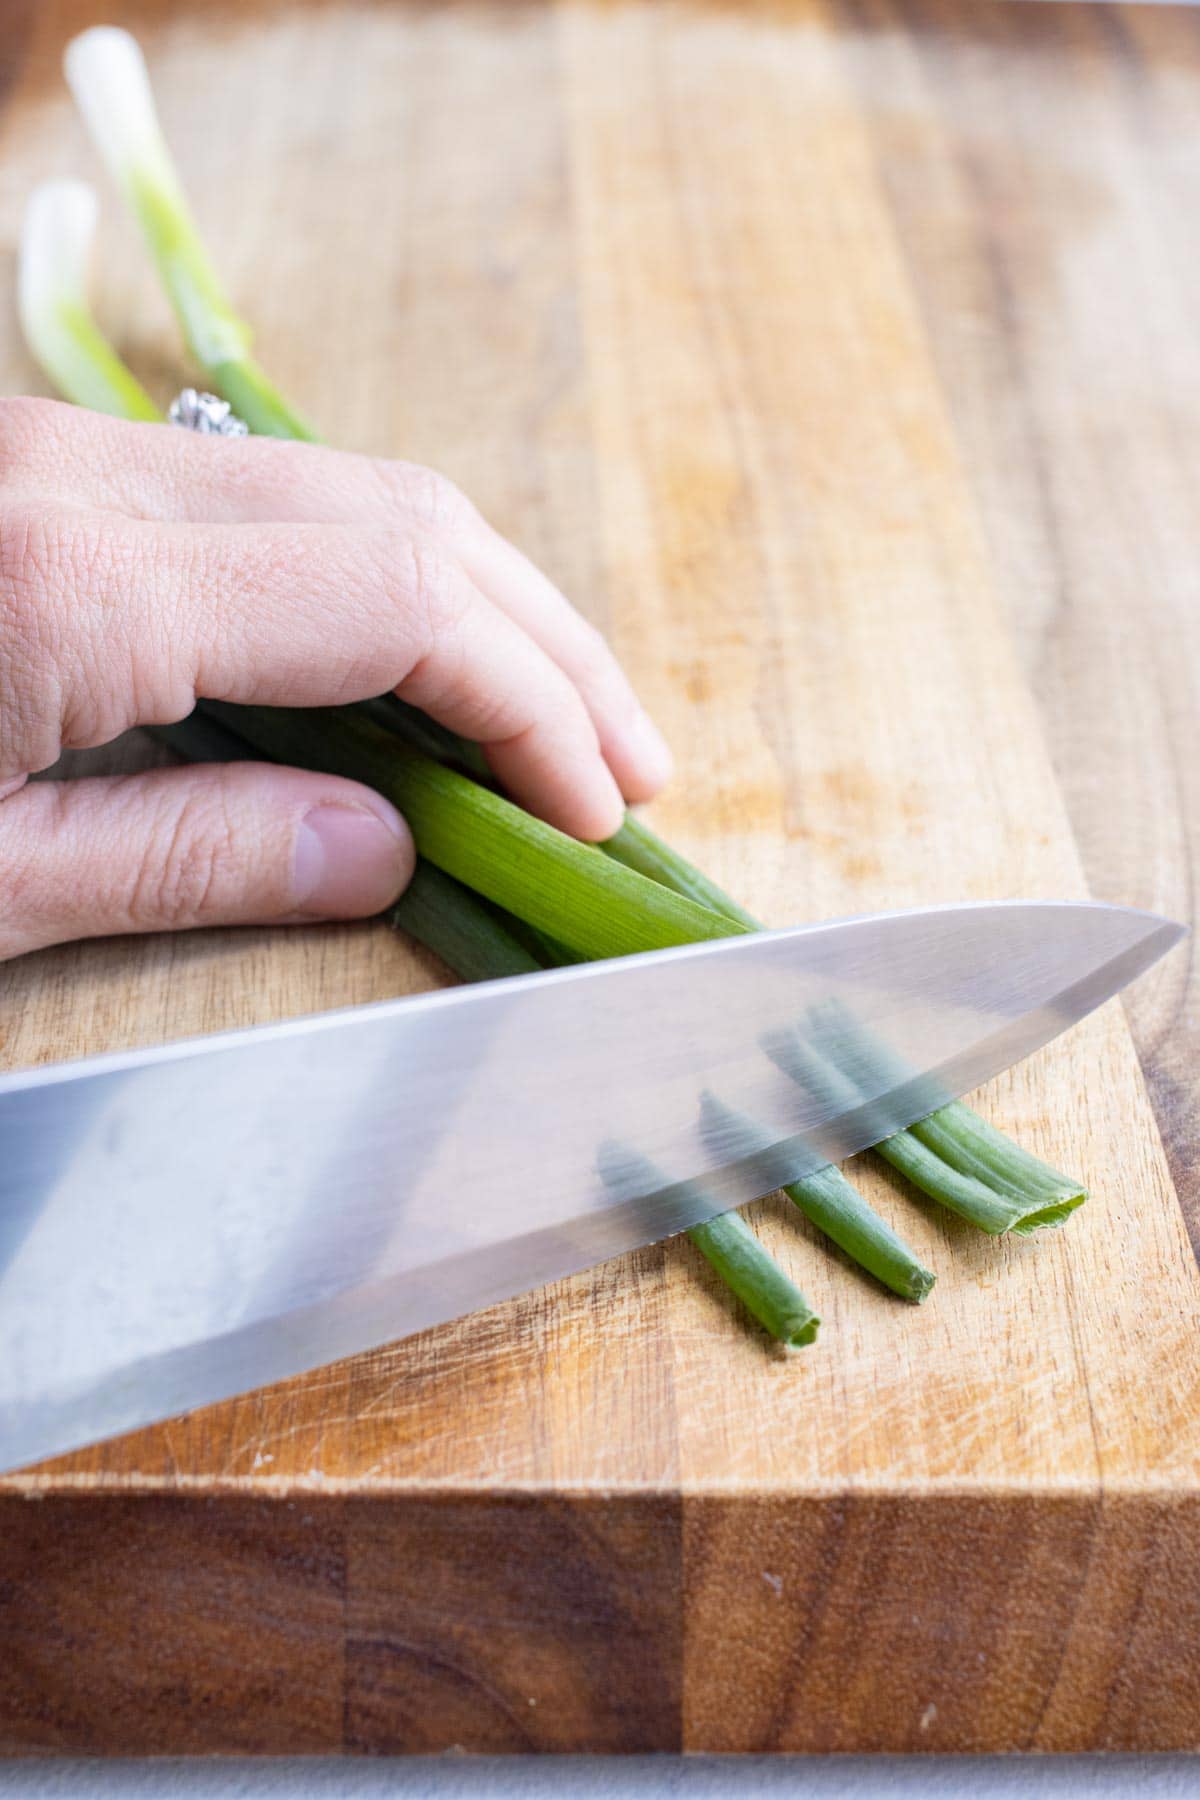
{"x":350,"y":861}
{"x":650,"y":747}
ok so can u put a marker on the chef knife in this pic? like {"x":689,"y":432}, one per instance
{"x":181,"y":1223}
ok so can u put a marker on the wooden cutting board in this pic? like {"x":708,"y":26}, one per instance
{"x":840,"y":361}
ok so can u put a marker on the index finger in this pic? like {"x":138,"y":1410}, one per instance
{"x":129,"y":623}
{"x":150,"y":472}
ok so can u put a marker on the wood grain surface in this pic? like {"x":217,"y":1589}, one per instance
{"x":839,"y":360}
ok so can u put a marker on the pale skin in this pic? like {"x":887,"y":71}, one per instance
{"x":144,"y":567}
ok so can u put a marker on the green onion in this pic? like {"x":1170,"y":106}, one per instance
{"x":953,"y":1156}
{"x":833,"y":1205}
{"x":107,"y":75}
{"x":952,"y":1153}
{"x":958,"y":1136}
{"x":732,"y":1249}
{"x":766,"y":1292}
{"x":52,"y":297}
{"x":960,"y":1193}
{"x":941,"y":1168}
{"x":470,"y":936}
{"x":637,"y":847}
{"x":425,"y":734}
{"x":570,"y":891}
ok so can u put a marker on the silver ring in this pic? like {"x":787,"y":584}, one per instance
{"x":206,"y":413}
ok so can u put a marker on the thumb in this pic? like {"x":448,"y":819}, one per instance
{"x":213,"y":844}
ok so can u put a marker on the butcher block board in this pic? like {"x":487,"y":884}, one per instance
{"x":840,"y":361}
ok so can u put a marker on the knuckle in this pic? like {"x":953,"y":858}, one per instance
{"x":80,"y":662}
{"x":435,"y":597}
{"x":68,"y":661}
{"x":190,"y":866}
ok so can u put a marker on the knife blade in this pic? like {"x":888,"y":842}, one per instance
{"x":185,"y":1222}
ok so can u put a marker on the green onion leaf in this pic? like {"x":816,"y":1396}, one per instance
{"x":953,"y":1156}
{"x":733,"y":1251}
{"x":570,"y":891}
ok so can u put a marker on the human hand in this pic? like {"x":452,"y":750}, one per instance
{"x":143,"y":567}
